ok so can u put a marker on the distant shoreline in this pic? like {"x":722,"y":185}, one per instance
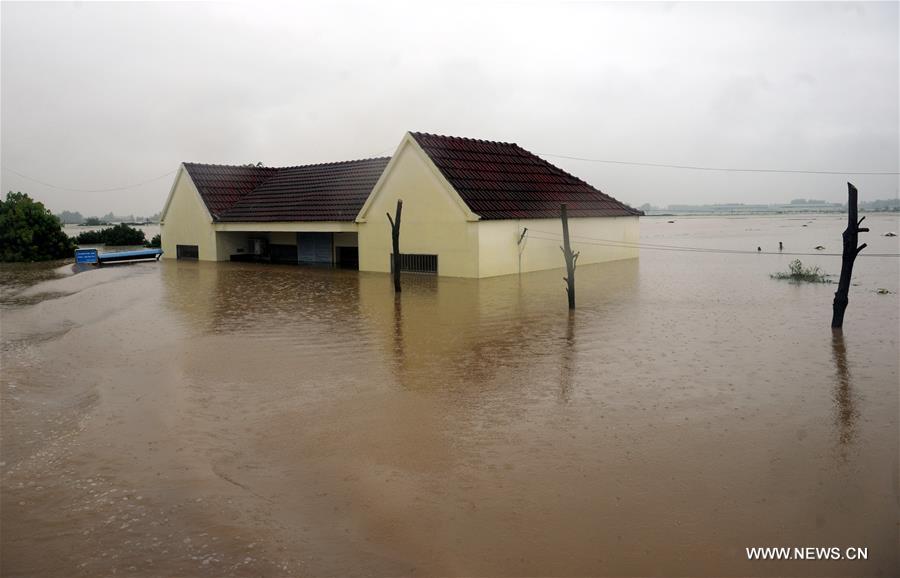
{"x":760,"y":213}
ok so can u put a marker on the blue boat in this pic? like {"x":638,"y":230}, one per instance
{"x":94,"y":257}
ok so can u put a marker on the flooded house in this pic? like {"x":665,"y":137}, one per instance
{"x":471,"y":208}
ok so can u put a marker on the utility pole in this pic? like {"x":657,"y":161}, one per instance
{"x":851,"y":237}
{"x":571,"y":258}
{"x":395,"y":236}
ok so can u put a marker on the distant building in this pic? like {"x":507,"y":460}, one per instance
{"x":466,"y":205}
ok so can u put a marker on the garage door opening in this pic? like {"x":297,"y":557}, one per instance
{"x":314,"y":248}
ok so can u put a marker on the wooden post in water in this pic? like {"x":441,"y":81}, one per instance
{"x":395,"y":236}
{"x":851,"y":237}
{"x":571,"y":258}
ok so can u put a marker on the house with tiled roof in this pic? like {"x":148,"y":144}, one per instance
{"x":471,"y":208}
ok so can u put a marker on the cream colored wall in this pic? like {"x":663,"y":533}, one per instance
{"x":432,"y":223}
{"x":499,"y":253}
{"x":187,"y":221}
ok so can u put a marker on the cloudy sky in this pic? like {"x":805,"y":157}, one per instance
{"x":100,"y":96}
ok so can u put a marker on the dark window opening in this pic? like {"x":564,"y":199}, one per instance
{"x":416,"y":263}
{"x":187,"y":252}
{"x":283,"y":253}
{"x":348,"y":257}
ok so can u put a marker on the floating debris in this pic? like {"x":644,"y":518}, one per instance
{"x":890,"y":234}
{"x":671,"y":221}
{"x":820,"y":248}
{"x":883,"y":291}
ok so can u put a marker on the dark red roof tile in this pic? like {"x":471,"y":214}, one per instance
{"x":221,"y":186}
{"x":499,"y":180}
{"x":323,"y":192}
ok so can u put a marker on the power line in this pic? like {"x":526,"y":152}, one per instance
{"x":109,"y":190}
{"x":659,"y":247}
{"x":722,"y":169}
{"x":112,"y":189}
{"x":585,"y":159}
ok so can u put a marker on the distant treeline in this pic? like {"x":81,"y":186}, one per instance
{"x":796,"y":205}
{"x":76,"y":218}
{"x":116,"y":235}
{"x":880,"y":205}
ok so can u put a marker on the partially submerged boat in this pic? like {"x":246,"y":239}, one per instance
{"x":95,"y":257}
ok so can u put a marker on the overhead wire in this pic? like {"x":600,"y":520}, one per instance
{"x":721,"y":169}
{"x":108,"y":190}
{"x":125,"y":187}
{"x":570,"y":157}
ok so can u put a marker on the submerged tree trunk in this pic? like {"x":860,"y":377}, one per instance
{"x":851,"y":237}
{"x":395,"y":236}
{"x":571,"y":258}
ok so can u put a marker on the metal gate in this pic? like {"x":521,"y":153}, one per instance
{"x":417,"y":263}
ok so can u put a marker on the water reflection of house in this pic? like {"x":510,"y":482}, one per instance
{"x":466,"y":207}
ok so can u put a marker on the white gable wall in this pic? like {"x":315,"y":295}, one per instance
{"x":186,"y":221}
{"x":434,"y":221}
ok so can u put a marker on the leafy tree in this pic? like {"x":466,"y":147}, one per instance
{"x":92,"y":221}
{"x":155,"y":242}
{"x":120,"y":234}
{"x":30,"y":232}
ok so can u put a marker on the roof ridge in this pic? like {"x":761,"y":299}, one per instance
{"x":465,"y":138}
{"x":285,"y":167}
{"x":226,"y":166}
{"x":335,"y":163}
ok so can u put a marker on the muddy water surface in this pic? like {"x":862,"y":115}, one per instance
{"x":194,"y":419}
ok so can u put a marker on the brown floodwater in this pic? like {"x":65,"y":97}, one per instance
{"x":227,"y":419}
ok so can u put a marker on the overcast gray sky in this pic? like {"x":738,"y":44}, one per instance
{"x":98,"y":96}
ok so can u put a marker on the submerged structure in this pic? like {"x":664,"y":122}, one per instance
{"x":471,"y":208}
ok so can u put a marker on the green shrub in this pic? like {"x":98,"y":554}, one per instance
{"x":799,"y":274}
{"x":155,"y":242}
{"x":29,"y":232}
{"x":118,"y":235}
{"x":89,"y":238}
